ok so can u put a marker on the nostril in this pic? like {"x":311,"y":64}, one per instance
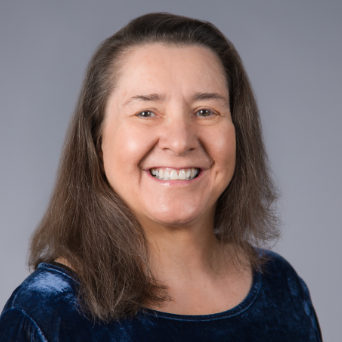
{"x":179,"y":140}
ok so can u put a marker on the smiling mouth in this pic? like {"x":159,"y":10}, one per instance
{"x":172,"y":174}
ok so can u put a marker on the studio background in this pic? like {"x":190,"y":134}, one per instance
{"x":292,"y":51}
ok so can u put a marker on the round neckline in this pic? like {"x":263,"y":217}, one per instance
{"x":236,"y":310}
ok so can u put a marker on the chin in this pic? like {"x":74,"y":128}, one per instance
{"x":177,"y":218}
{"x":175,"y":222}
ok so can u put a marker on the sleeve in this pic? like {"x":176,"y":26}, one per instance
{"x":310,"y":311}
{"x":16,"y":325}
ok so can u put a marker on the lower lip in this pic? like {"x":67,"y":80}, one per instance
{"x":176,"y":181}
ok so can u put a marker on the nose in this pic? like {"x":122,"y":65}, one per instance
{"x":178,"y":135}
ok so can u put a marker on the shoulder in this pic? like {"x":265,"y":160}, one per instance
{"x":282,"y":288}
{"x":48,"y":284}
{"x":278,"y":273}
{"x":278,"y":270}
{"x":275,"y":262}
{"x":40,"y":305}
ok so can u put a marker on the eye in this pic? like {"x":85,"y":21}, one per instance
{"x":146,"y":114}
{"x":204,"y":113}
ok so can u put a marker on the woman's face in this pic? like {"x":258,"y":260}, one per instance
{"x":168,"y":139}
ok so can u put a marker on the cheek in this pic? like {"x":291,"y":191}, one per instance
{"x":224,"y":155}
{"x":124,"y":146}
{"x":221,"y":145}
{"x":227,"y":149}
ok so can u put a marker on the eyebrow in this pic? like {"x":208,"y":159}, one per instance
{"x":148,"y":97}
{"x":208,"y":96}
{"x":196,"y":97}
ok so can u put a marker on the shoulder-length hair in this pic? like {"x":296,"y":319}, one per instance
{"x":88,"y":224}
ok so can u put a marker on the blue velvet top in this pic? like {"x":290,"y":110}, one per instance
{"x":277,"y":308}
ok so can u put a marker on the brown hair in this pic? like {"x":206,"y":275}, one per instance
{"x":89,"y":225}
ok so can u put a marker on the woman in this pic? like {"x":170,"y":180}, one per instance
{"x":163,"y":196}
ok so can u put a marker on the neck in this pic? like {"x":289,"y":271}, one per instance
{"x":196,"y":270}
{"x":185,"y":252}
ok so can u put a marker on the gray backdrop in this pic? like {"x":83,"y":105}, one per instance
{"x":292,"y":51}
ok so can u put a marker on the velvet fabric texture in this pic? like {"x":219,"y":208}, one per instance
{"x":278,"y":308}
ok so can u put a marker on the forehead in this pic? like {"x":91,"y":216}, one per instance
{"x":186,"y":68}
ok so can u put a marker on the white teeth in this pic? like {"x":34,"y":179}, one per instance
{"x":172,"y":174}
{"x":161,"y":174}
{"x":182,"y":175}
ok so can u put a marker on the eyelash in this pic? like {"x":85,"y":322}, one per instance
{"x":205,"y":110}
{"x":150,"y":114}
{"x":145,"y":111}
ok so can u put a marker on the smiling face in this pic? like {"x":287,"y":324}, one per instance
{"x":168,"y":140}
